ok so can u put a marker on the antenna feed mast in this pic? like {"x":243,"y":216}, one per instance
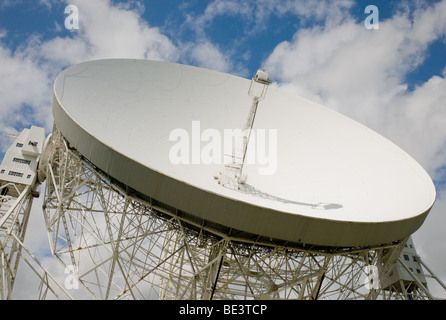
{"x":259,"y":85}
{"x":232,"y":176}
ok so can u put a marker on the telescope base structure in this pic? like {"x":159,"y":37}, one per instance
{"x":118,"y":246}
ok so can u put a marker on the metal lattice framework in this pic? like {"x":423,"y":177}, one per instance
{"x":15,"y":206}
{"x":118,"y":246}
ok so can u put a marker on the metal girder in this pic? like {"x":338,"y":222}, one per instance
{"x":15,"y":206}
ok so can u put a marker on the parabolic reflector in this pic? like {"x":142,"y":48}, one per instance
{"x":314,"y":177}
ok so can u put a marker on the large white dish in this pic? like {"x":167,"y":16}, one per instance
{"x":119,"y":113}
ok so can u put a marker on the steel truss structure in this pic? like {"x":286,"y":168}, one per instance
{"x":413,"y":289}
{"x":114,"y":245}
{"x":15,"y":207}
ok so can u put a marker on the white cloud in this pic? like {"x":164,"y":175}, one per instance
{"x":22,"y":81}
{"x":23,"y":93}
{"x":107,"y":31}
{"x":419,"y":123}
{"x":199,"y":23}
{"x":207,"y":55}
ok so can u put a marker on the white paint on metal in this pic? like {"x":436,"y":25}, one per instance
{"x":337,"y":182}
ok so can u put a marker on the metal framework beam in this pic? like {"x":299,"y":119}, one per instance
{"x":15,"y":206}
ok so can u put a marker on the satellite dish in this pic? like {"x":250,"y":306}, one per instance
{"x":325,"y":180}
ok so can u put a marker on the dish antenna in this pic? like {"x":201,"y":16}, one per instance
{"x":125,"y":222}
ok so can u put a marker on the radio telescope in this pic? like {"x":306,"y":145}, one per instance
{"x":144,"y":200}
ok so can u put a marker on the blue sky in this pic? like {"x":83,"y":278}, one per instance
{"x":239,"y":34}
{"x":392,"y":79}
{"x":22,"y":19}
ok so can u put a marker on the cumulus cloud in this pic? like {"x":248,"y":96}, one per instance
{"x":208,"y":55}
{"x":23,"y":93}
{"x":107,"y":31}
